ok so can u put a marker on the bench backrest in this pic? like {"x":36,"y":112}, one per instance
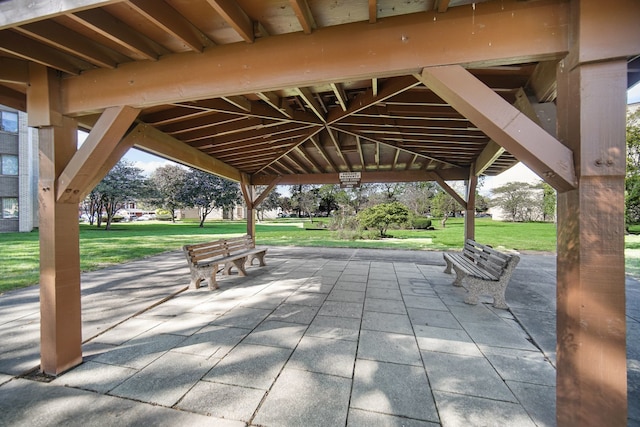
{"x":486,"y":257}
{"x":217,"y":248}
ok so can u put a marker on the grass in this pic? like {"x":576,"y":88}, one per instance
{"x":127,"y":241}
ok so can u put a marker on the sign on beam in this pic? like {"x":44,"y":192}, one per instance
{"x":350,"y":179}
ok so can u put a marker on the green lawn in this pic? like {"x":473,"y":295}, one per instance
{"x":126,"y":241}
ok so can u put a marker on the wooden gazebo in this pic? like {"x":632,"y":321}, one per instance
{"x":309,"y":91}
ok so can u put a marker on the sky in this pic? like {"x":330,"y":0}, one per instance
{"x":519,"y":173}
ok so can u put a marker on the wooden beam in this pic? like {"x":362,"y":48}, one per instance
{"x":543,"y":81}
{"x":504,"y":124}
{"x":237,"y":18}
{"x":79,"y":176}
{"x":43,"y":100}
{"x":14,"y":71}
{"x":151,"y":140}
{"x":518,"y":32}
{"x":487,"y":157}
{"x":368,"y":177}
{"x":304,"y":15}
{"x":263,"y":195}
{"x":450,"y":191}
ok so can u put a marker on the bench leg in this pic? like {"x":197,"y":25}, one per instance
{"x":460,"y":275}
{"x":497,"y":289}
{"x":448,"y":267}
{"x":213,"y":284}
{"x":195,"y":282}
{"x":259,"y":257}
{"x":237,"y":263}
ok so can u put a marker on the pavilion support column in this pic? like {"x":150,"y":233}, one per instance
{"x":60,"y":314}
{"x":591,"y":330}
{"x":248,"y":193}
{"x":470,"y":209}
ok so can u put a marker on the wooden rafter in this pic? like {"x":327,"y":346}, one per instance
{"x":167,"y":18}
{"x":304,"y":15}
{"x":336,"y":145}
{"x":373,"y":140}
{"x":310,"y":134}
{"x":311,"y":102}
{"x":116,"y":31}
{"x":59,"y":37}
{"x":373,"y":11}
{"x":278,"y":104}
{"x":26,"y":48}
{"x":341,"y":97}
{"x":324,"y":154}
{"x":391,"y":88}
{"x":233,"y":14}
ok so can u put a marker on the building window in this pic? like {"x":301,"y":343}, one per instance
{"x":9,"y":121}
{"x":8,"y":164}
{"x":9,"y":208}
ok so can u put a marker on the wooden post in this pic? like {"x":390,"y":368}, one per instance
{"x":470,"y":211}
{"x":60,"y":315}
{"x":591,"y":330}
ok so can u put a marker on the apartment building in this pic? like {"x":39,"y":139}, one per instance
{"x":18,"y":172}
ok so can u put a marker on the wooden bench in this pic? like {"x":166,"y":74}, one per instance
{"x":207,"y":259}
{"x":486,"y":271}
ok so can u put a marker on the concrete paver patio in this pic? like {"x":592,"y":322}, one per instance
{"x":319,"y":337}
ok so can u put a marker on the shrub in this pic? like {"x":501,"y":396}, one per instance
{"x":382,"y":216}
{"x":420,"y":223}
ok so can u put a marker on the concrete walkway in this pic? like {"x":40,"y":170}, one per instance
{"x":319,"y":337}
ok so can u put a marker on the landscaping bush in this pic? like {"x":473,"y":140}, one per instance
{"x":420,"y":223}
{"x":382,"y":216}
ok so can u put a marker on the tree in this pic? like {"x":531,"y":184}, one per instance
{"x":271,"y":202}
{"x":517,"y":200}
{"x":169,"y":182}
{"x":123,"y":183}
{"x":305,"y":198}
{"x":328,"y":200}
{"x":383,"y":215}
{"x":418,"y":197}
{"x":207,"y":192}
{"x":443,"y":205}
{"x":548,"y":202}
{"x":632,"y":181}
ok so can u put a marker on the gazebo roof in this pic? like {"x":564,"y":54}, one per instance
{"x":291,"y":89}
